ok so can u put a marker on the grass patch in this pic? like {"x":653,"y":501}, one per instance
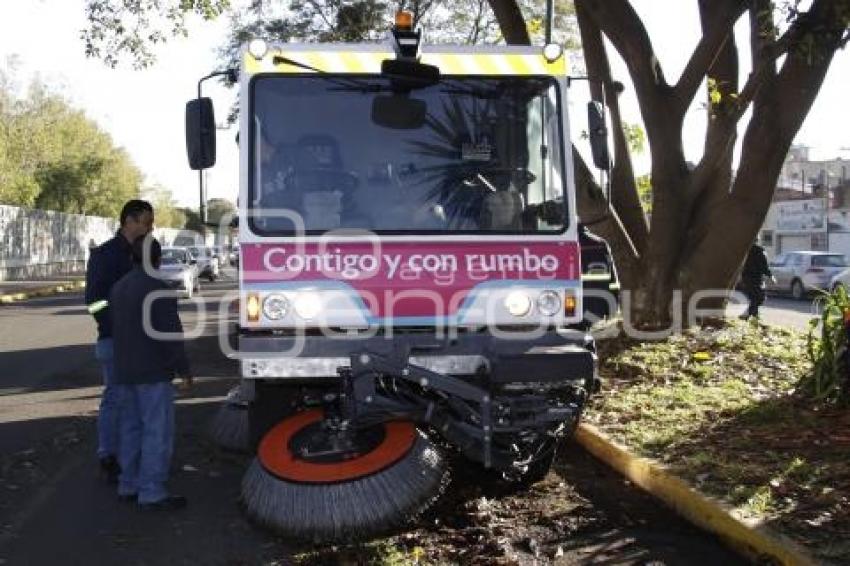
{"x":717,"y":406}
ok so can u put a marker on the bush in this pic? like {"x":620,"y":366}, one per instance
{"x":830,"y":377}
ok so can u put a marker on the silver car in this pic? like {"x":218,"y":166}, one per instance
{"x":799,"y":273}
{"x":178,"y":272}
{"x":207,"y":265}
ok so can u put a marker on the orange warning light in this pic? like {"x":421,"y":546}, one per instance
{"x":404,"y":20}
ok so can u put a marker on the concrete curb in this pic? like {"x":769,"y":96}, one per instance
{"x":9,"y":298}
{"x":749,"y":538}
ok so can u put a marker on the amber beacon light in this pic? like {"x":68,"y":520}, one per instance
{"x":404,"y":20}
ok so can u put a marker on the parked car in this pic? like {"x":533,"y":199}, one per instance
{"x":178,"y":272}
{"x":799,"y":273}
{"x":203,"y":259}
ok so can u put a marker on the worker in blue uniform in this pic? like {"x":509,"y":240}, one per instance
{"x":107,"y":264}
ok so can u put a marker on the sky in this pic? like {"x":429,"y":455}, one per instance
{"x":143,"y":110}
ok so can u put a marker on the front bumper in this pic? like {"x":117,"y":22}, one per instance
{"x":556,"y":355}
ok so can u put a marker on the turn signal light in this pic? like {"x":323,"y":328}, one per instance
{"x":404,"y":20}
{"x":570,"y":304}
{"x":252,"y":307}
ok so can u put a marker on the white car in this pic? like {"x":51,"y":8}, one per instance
{"x":178,"y":272}
{"x":799,"y":273}
{"x":205,"y":262}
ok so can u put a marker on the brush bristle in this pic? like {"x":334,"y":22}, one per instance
{"x":347,"y":511}
{"x":230,"y":427}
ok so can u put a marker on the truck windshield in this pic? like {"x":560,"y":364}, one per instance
{"x":486,"y":156}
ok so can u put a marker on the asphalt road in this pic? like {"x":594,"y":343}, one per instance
{"x":54,"y":508}
{"x":783,"y":311}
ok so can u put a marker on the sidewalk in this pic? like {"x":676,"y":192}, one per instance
{"x":13,"y":291}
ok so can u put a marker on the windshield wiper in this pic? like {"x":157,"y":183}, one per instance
{"x":345,"y":84}
{"x":281,"y":60}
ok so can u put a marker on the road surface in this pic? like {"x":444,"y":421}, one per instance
{"x":783,"y":311}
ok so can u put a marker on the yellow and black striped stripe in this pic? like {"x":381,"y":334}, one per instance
{"x":516,"y":64}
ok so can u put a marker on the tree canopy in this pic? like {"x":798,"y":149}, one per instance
{"x":53,"y":156}
{"x":120,"y":31}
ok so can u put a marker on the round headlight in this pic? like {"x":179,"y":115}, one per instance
{"x":275,"y":307}
{"x":518,"y":303}
{"x":549,"y":303}
{"x":307,"y":305}
{"x":258,"y":48}
{"x":552,"y":52}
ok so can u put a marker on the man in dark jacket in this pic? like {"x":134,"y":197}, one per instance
{"x":107,"y":264}
{"x":148,"y":355}
{"x":752,"y":279}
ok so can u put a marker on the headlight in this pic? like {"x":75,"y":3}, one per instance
{"x":549,"y":303}
{"x":307,"y":305}
{"x":518,"y":303}
{"x":252,"y":307}
{"x":275,"y":306}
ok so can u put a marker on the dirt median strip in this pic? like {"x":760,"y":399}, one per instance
{"x":755,"y":541}
{"x":70,"y":286}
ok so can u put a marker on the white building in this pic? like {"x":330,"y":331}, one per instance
{"x":811,"y":207}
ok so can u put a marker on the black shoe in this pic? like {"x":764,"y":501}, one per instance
{"x":129,"y":498}
{"x":109,"y":469}
{"x":170,"y":503}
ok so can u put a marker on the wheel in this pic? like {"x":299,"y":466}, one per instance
{"x":797,"y":290}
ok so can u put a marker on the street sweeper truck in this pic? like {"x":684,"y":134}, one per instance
{"x":410,"y":283}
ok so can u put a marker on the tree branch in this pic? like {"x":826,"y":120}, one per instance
{"x":511,"y":22}
{"x":592,"y":207}
{"x":624,"y":191}
{"x":717,"y":31}
{"x":621,"y":24}
{"x":761,"y":34}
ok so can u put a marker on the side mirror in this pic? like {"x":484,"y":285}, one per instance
{"x":598,"y":131}
{"x":398,"y":112}
{"x":200,"y":133}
